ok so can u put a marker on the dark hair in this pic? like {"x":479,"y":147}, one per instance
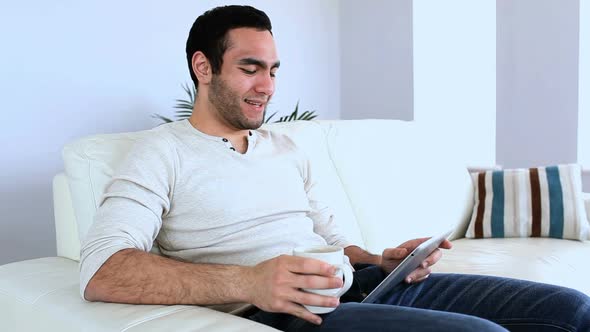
{"x":209,"y":33}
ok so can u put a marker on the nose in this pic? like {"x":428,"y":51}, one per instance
{"x":265,"y":84}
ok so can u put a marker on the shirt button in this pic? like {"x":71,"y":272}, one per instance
{"x":225,"y":139}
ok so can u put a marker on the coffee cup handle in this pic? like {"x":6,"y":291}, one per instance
{"x":348,"y":277}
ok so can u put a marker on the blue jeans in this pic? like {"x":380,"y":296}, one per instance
{"x":455,"y":302}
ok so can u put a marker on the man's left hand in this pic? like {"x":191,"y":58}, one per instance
{"x":393,"y":256}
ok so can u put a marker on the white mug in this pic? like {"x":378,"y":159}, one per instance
{"x":332,"y":255}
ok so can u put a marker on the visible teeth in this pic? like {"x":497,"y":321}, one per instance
{"x":253,"y":103}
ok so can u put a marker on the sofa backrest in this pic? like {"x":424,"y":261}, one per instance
{"x":402,"y":181}
{"x":385,"y":180}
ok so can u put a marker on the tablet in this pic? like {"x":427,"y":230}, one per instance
{"x":409,"y":264}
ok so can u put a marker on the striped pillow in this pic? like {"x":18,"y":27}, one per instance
{"x":535,"y":202}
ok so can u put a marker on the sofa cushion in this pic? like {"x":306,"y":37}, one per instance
{"x":537,"y":202}
{"x":89,"y":164}
{"x":553,"y":261}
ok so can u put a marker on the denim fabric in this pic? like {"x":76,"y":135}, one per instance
{"x":455,"y":302}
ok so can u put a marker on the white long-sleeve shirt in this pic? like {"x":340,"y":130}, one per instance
{"x":206,"y":203}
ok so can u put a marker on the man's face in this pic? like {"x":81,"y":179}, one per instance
{"x":241,"y":91}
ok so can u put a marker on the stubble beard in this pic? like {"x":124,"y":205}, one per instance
{"x":228,"y":105}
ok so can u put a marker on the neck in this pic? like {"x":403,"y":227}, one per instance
{"x":205,"y":119}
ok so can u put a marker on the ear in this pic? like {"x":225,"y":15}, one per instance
{"x":202,"y":68}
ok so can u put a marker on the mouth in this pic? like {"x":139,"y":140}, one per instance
{"x":257,"y":105}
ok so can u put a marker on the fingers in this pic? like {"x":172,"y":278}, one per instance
{"x":421,"y":279}
{"x":434,"y":257}
{"x":424,"y":270}
{"x":446,"y":244}
{"x":298,"y":298}
{"x":305,"y":298}
{"x":403,"y":249}
{"x":418,"y":275}
{"x":317,"y":282}
{"x":312,"y":273}
{"x":395,"y":253}
{"x":305,"y":265}
{"x":299,"y":311}
{"x":412,"y":244}
{"x":278,"y":282}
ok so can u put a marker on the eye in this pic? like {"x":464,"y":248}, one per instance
{"x":249,"y":72}
{"x":273,"y":74}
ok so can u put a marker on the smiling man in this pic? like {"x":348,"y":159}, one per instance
{"x":227,"y":202}
{"x":237,"y":88}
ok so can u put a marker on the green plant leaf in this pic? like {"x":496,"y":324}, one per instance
{"x":183,"y":101}
{"x":191,"y":92}
{"x":163,"y":118}
{"x":303,"y":115}
{"x":183,"y":110}
{"x":294,"y":114}
{"x":270,"y":117}
{"x":307,"y":115}
{"x":184,"y":113}
{"x":184,"y":107}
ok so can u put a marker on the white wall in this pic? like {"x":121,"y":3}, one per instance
{"x":521,"y":112}
{"x":537,"y":82}
{"x":426,"y":60}
{"x":455,"y":75}
{"x":376,"y":59}
{"x":70,"y":69}
{"x":584,"y":92}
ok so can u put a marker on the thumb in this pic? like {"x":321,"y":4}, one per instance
{"x":395,"y":253}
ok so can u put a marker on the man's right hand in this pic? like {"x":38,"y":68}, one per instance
{"x":275,"y":285}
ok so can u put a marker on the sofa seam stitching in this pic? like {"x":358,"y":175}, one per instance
{"x":47,"y":293}
{"x":16,"y":297}
{"x":90,"y":182}
{"x":148,"y":319}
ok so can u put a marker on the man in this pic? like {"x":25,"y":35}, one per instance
{"x":227,"y":203}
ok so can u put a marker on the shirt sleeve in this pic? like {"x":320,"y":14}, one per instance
{"x":131,"y":209}
{"x":324,"y":220}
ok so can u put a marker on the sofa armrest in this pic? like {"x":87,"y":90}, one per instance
{"x":43,"y":295}
{"x":587,"y":204}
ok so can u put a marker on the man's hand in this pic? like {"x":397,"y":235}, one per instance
{"x":275,"y":285}
{"x":393,"y":256}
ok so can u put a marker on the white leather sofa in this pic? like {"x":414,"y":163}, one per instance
{"x":387,"y":181}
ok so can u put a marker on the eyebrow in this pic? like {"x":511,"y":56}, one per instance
{"x":259,"y":63}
